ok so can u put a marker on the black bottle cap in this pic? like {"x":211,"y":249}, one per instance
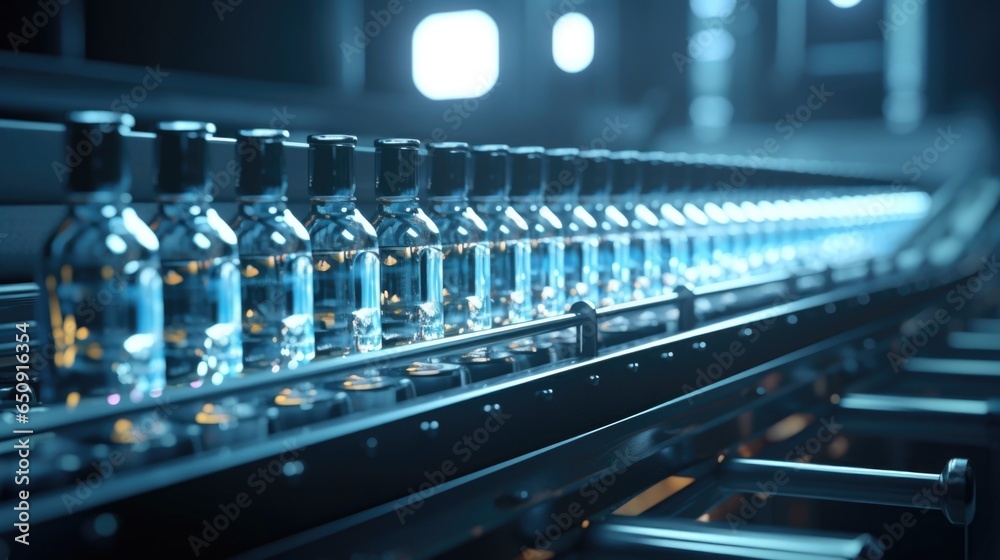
{"x":182,"y":164}
{"x":595,"y":173}
{"x":449,"y":173}
{"x":397,"y":162}
{"x":261,"y":155}
{"x":562,"y":172}
{"x":331,"y":165}
{"x":96,"y":156}
{"x":490,"y":171}
{"x":526,"y":171}
{"x":654,"y":173}
{"x":625,"y":170}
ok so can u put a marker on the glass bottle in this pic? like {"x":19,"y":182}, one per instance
{"x":510,"y":246}
{"x":579,"y":226}
{"x":464,"y":242}
{"x":275,"y":258}
{"x":346,"y":275}
{"x":614,"y":275}
{"x":690,"y":197}
{"x":102,"y":294}
{"x":722,"y":229}
{"x":199,"y":262}
{"x":548,"y":244}
{"x":699,"y":228}
{"x":409,"y":247}
{"x":651,"y":243}
{"x":677,"y":255}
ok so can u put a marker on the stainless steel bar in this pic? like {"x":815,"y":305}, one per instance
{"x":643,"y":537}
{"x":953,"y":491}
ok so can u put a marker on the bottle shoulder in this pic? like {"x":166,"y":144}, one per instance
{"x":542,"y":221}
{"x":577,"y":220}
{"x":190,"y":237}
{"x":505,"y":225}
{"x":407,"y":229}
{"x":114,"y":242}
{"x":281,"y":233}
{"x":461,"y":227}
{"x":340,"y":232}
{"x":611,"y":220}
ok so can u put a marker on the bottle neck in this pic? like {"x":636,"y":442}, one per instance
{"x":97,"y":206}
{"x":597,"y":202}
{"x":625,"y":203}
{"x":490,"y":204}
{"x":333,"y":204}
{"x":448,"y":204}
{"x":524,"y":202}
{"x":649,"y":200}
{"x":389,"y":205}
{"x":566,"y":202}
{"x":179,"y":205}
{"x":261,"y":205}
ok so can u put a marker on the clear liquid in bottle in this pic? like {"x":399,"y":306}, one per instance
{"x":275,"y":259}
{"x":508,"y":234}
{"x":102,"y":294}
{"x":465,"y":249}
{"x":545,"y":235}
{"x":409,"y":248}
{"x":346,"y":276}
{"x":200,"y":262}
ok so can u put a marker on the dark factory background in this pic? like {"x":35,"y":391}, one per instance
{"x":728,"y":77}
{"x":870,"y":92}
{"x":657,"y":66}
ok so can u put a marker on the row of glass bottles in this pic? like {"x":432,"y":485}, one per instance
{"x":191,"y":299}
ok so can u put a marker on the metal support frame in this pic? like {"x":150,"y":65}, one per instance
{"x":364,"y":486}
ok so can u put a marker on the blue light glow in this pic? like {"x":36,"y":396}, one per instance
{"x":573,"y":42}
{"x":456,"y":55}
